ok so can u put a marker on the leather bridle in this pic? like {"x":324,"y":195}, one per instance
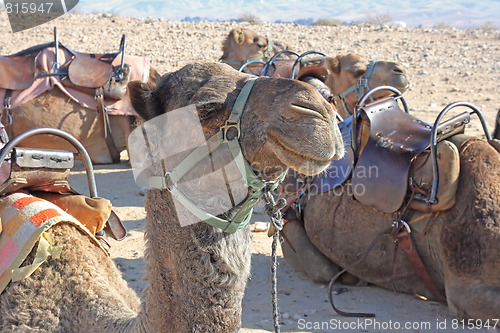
{"x":360,"y":87}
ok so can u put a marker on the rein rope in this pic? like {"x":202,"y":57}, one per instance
{"x":360,"y":87}
{"x":273,"y":210}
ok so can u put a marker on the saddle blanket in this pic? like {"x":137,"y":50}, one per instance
{"x":24,"y":220}
{"x":46,"y":59}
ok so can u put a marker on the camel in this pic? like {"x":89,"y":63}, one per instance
{"x":460,"y":248}
{"x":342,"y":72}
{"x":343,"y":79}
{"x":242,"y":45}
{"x":41,"y":89}
{"x":197,"y":273}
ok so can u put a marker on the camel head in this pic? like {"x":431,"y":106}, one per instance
{"x":242,"y":45}
{"x":284,"y":124}
{"x":345,"y":70}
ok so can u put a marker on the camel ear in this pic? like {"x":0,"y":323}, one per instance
{"x":144,"y":100}
{"x":332,"y":64}
{"x":238,"y":35}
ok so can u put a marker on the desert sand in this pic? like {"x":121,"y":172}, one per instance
{"x":444,"y":65}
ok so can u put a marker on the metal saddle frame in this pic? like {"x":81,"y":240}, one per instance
{"x":291,"y":68}
{"x":48,"y":170}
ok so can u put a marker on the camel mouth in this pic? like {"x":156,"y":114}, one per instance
{"x":302,"y":161}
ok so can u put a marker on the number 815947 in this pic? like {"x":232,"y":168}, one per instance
{"x":28,"y":7}
{"x":474,"y":323}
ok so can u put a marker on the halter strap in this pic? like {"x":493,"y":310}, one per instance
{"x":223,"y":136}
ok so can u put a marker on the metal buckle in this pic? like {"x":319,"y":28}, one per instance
{"x":169,"y":182}
{"x":225,"y":129}
{"x":401,"y":224}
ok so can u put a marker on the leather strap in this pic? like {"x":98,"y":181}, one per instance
{"x":406,"y":244}
{"x":108,"y":137}
{"x":6,"y":115}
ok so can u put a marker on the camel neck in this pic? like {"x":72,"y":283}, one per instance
{"x":196,"y":274}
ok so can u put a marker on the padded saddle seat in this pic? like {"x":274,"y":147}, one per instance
{"x":18,"y":71}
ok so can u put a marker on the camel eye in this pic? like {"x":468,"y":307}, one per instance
{"x":257,"y":41}
{"x":359,"y":73}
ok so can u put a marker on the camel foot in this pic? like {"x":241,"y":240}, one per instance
{"x":472,"y":299}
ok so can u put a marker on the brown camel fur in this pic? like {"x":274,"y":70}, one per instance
{"x":242,"y":45}
{"x":496,"y":132}
{"x":461,"y":250}
{"x":54,"y":109}
{"x":196,"y":274}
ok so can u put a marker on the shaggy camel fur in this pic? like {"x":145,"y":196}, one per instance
{"x":461,"y":250}
{"x":196,"y":274}
{"x":54,"y":109}
{"x":242,"y":45}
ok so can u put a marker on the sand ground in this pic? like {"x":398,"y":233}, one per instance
{"x":444,"y":65}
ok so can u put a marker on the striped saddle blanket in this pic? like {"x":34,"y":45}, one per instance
{"x":24,"y":221}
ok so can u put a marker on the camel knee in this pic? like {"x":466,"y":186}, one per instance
{"x":303,"y":256}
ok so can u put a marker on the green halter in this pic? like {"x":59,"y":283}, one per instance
{"x":257,"y":187}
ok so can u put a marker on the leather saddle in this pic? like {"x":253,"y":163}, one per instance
{"x":19,"y":71}
{"x":394,"y":139}
{"x":392,"y":158}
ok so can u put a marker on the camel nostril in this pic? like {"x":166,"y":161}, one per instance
{"x":305,"y":110}
{"x":398,"y":70}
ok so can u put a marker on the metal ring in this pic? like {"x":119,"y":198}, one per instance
{"x":271,"y":61}
{"x":9,"y":119}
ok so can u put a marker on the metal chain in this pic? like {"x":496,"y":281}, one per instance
{"x":273,"y":210}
